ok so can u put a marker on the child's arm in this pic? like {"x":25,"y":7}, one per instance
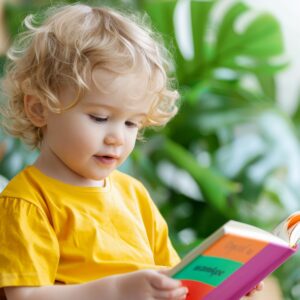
{"x":146,"y":285}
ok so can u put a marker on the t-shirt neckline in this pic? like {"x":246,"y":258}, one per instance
{"x":77,"y":188}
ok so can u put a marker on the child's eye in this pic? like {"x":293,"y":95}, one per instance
{"x":131,"y":124}
{"x":98,"y":119}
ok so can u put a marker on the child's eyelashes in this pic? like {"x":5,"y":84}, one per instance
{"x":98,"y":119}
{"x":102,"y":119}
{"x":131,"y":124}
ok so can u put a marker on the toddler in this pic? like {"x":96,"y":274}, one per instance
{"x":81,"y":87}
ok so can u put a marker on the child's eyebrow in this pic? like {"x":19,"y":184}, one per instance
{"x":112,"y":108}
{"x":100,"y":105}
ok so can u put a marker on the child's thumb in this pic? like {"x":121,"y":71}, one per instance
{"x":164,"y":271}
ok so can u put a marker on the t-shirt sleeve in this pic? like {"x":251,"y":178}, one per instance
{"x":157,"y":230}
{"x":29,"y":252}
{"x":164,"y":252}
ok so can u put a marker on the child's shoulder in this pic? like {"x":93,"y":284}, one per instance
{"x":127,"y":181}
{"x":121,"y":177}
{"x":21,"y":186}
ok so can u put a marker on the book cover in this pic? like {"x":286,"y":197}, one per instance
{"x":233,"y":260}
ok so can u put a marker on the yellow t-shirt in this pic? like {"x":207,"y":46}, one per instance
{"x":51,"y":231}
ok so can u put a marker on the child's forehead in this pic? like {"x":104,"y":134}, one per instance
{"x":135,"y":85}
{"x":126,"y":92}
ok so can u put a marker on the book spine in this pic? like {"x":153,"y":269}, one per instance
{"x":249,"y":275}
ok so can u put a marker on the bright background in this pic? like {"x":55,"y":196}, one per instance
{"x":287,"y":13}
{"x":233,"y":151}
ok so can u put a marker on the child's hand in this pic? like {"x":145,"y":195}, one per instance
{"x":259,"y":287}
{"x":150,"y":285}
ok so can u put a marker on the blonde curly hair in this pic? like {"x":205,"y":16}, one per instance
{"x":71,"y":42}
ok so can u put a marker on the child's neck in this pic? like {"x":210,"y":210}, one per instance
{"x":61,"y":172}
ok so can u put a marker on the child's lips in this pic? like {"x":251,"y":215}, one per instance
{"x":107,"y":159}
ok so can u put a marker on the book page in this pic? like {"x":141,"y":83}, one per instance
{"x":289,"y":229}
{"x":250,"y":231}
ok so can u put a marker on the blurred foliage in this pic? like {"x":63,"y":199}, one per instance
{"x":231,"y":153}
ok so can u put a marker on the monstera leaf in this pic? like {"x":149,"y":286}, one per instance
{"x":258,"y":160}
{"x":230,"y":139}
{"x":238,"y":39}
{"x":214,"y":53}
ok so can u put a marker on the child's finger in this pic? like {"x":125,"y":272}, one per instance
{"x":163,"y":282}
{"x":250,"y":294}
{"x":164,"y":271}
{"x":260,"y":286}
{"x":178,"y":293}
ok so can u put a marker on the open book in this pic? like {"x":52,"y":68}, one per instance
{"x":235,"y":258}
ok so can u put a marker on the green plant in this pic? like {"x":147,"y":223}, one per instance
{"x":215,"y":101}
{"x":231,"y":152}
{"x":225,"y":154}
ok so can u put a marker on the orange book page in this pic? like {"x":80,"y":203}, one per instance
{"x":235,"y":248}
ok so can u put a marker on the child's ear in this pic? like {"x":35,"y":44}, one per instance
{"x":35,"y":111}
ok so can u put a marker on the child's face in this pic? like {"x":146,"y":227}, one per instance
{"x":96,"y":135}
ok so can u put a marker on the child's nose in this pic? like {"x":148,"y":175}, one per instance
{"x":115,"y":138}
